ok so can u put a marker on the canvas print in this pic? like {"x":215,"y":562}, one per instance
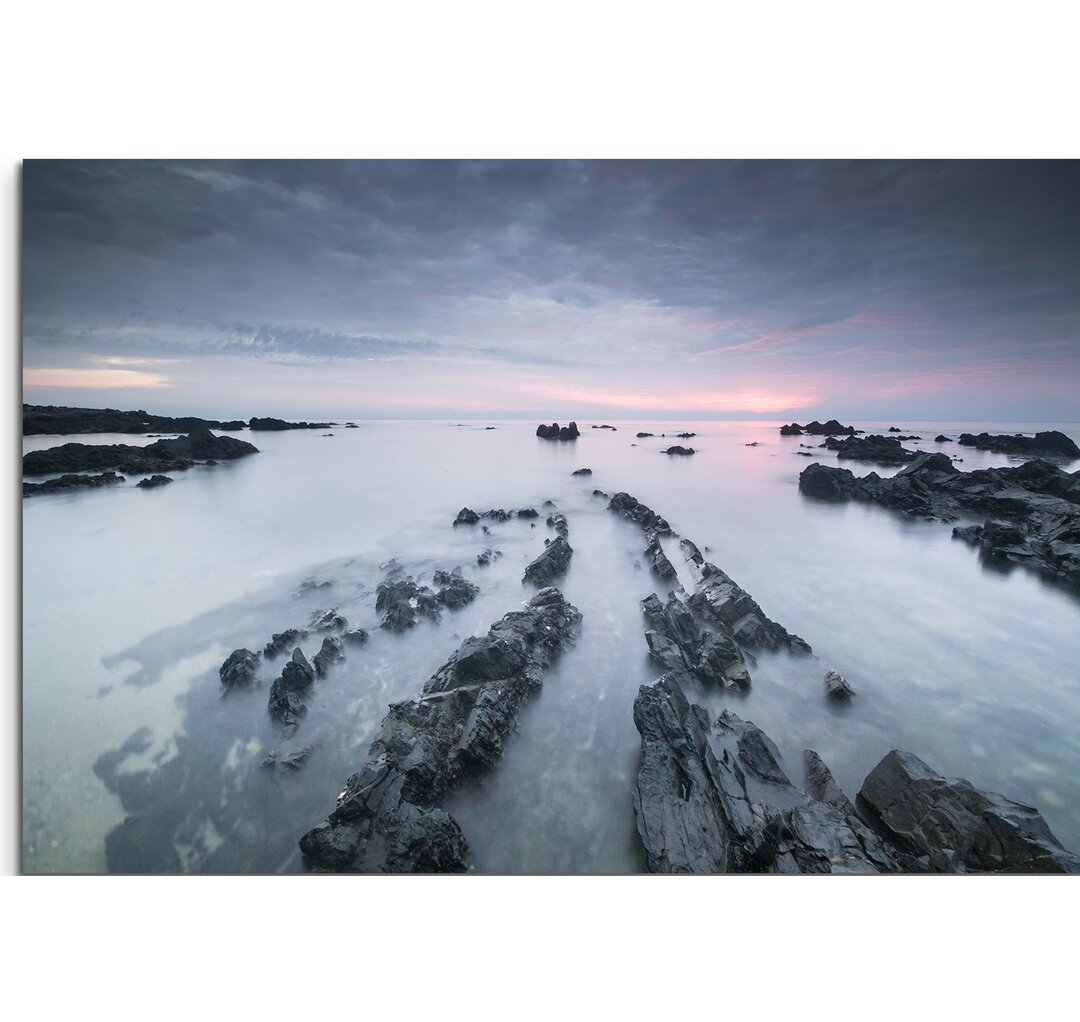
{"x":550,"y":517}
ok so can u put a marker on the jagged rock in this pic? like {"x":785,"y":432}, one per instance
{"x":830,"y":428}
{"x":837,"y":688}
{"x":685,"y":436}
{"x":528,"y":512}
{"x":657,"y":559}
{"x":557,"y":521}
{"x":680,"y":643}
{"x":281,"y":641}
{"x":238,"y":670}
{"x":631,"y":508}
{"x":152,"y":481}
{"x":880,"y":449}
{"x":715,"y":799}
{"x":486,"y":556}
{"x":551,"y":564}
{"x":793,"y":429}
{"x":719,"y":600}
{"x":285,"y":703}
{"x":599,"y":493}
{"x":942,"y":439}
{"x":582,"y":472}
{"x":387,"y":818}
{"x":454,"y":591}
{"x":1033,"y":509}
{"x":332,"y":652}
{"x":402,"y":602}
{"x":71,"y":482}
{"x":679,"y":450}
{"x":356,"y":637}
{"x":1049,"y":444}
{"x":466,"y":516}
{"x":328,"y":621}
{"x":162,"y":455}
{"x":553,"y":432}
{"x":924,"y":814}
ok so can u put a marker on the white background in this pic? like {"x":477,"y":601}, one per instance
{"x":424,"y":79}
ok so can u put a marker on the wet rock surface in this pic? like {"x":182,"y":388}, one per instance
{"x":71,"y":482}
{"x":552,"y":564}
{"x":714,"y":798}
{"x":387,"y":819}
{"x":1034,"y":508}
{"x":286,"y":702}
{"x":331,"y":652}
{"x":945,"y":825}
{"x":1048,"y":444}
{"x":162,"y":455}
{"x":837,"y":688}
{"x":454,"y":590}
{"x":153,"y":481}
{"x":281,"y":642}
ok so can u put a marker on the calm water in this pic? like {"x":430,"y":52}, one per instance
{"x":132,"y":600}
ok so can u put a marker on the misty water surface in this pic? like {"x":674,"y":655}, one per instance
{"x":133,"y":598}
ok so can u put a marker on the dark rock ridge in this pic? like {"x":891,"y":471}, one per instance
{"x":275,"y":425}
{"x":356,"y":637}
{"x":287,"y":761}
{"x":162,"y":455}
{"x":612,"y":428}
{"x":657,"y":560}
{"x":1033,"y":509}
{"x":641,"y":436}
{"x":486,"y":556}
{"x":941,"y":438}
{"x":238,"y":670}
{"x":327,"y":621}
{"x":582,"y":472}
{"x":42,"y":420}
{"x":553,"y":432}
{"x":402,"y":602}
{"x":71,"y":482}
{"x":152,"y":481}
{"x":815,"y":428}
{"x":454,"y":590}
{"x":387,"y":819}
{"x":557,"y":521}
{"x":715,"y":799}
{"x":703,"y":637}
{"x":1049,"y":444}
{"x":881,"y":449}
{"x":632,"y":509}
{"x":685,"y":436}
{"x":467,"y":516}
{"x":679,"y":450}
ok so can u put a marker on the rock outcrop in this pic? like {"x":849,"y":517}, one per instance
{"x":150,"y":482}
{"x":880,"y":449}
{"x":815,"y":428}
{"x":553,"y":432}
{"x":42,"y":420}
{"x":276,"y":425}
{"x":388,"y":819}
{"x":160,"y":456}
{"x":1049,"y":444}
{"x":286,"y":703}
{"x":1033,"y":510}
{"x":238,"y":670}
{"x":633,"y":510}
{"x":676,"y":449}
{"x":551,"y":564}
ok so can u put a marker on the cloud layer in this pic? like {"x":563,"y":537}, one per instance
{"x":552,"y":288}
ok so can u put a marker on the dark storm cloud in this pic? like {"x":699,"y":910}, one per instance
{"x":558,"y":263}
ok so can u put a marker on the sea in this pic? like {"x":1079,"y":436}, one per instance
{"x":133,"y":598}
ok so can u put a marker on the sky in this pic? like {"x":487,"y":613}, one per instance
{"x":555,"y":289}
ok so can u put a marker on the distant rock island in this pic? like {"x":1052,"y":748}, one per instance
{"x":815,"y":428}
{"x":553,"y":432}
{"x":1052,"y":443}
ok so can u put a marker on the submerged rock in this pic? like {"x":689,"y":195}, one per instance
{"x":356,"y":637}
{"x":328,"y":621}
{"x":582,"y":472}
{"x":837,"y":689}
{"x":402,"y":602}
{"x":454,"y":591}
{"x":238,"y":670}
{"x":152,"y":481}
{"x":486,"y":556}
{"x":679,"y":450}
{"x":387,"y":819}
{"x":880,"y":449}
{"x":287,"y":762}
